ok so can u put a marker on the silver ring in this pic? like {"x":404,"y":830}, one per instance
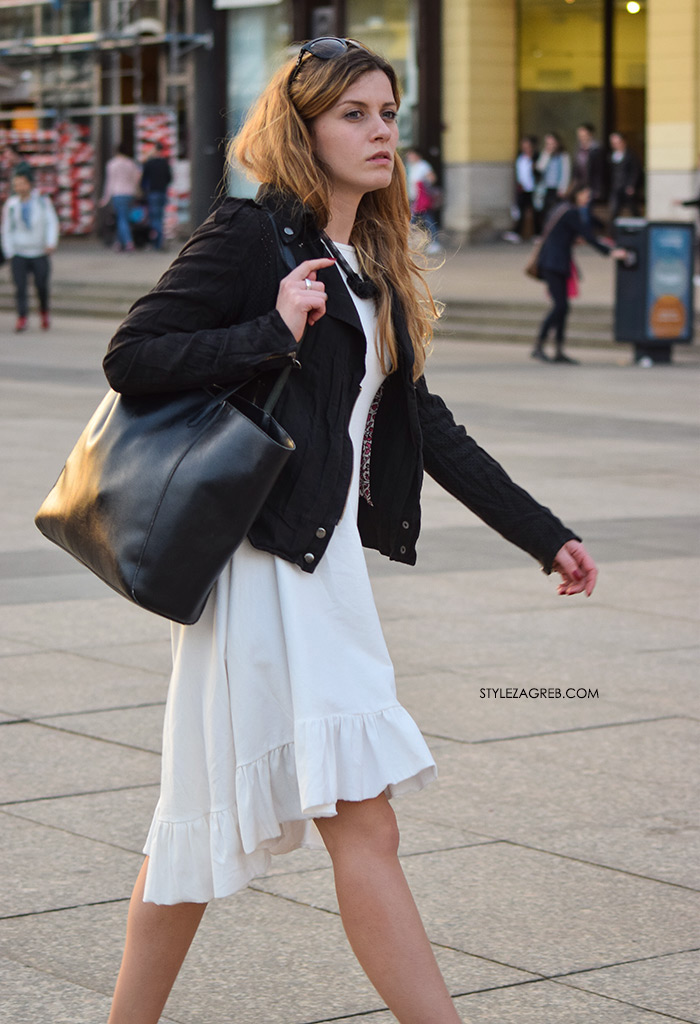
{"x":307,"y":283}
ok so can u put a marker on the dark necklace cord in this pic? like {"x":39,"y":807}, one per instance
{"x":363,"y":287}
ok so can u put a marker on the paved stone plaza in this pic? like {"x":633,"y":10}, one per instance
{"x":554,"y":861}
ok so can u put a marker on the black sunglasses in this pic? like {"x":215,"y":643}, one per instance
{"x":325,"y":48}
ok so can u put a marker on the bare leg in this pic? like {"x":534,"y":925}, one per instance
{"x":380,"y":917}
{"x":157,"y":940}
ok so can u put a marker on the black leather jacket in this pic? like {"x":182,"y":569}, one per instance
{"x":211,"y":320}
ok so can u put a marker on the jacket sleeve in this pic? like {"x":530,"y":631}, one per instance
{"x":456,"y":462}
{"x":186,"y":333}
{"x":586,"y":231}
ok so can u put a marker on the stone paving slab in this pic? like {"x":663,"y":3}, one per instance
{"x":76,"y":871}
{"x":533,"y":1003}
{"x":551,"y":1002}
{"x":561,"y":793}
{"x":118,"y":817}
{"x":40,"y":762}
{"x":121,"y":818}
{"x":80,"y":625}
{"x":247,"y":963}
{"x":150,"y":655}
{"x":532,"y":910}
{"x":477,"y":703}
{"x":31,"y":995}
{"x":487,"y":703}
{"x":63,"y":587}
{"x":137,"y":727}
{"x":8,"y":646}
{"x":562,"y":635}
{"x":667,"y":985}
{"x":59,"y":682}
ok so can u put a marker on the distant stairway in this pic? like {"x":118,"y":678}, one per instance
{"x":72,"y":298}
{"x":590,"y":326}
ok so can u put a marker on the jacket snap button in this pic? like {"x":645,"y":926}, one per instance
{"x":402,"y":549}
{"x":309,"y":558}
{"x":321,"y":533}
{"x":405,"y":524}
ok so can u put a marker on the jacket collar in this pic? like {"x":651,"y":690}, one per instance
{"x":297,"y":229}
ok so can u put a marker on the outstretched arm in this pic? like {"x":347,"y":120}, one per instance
{"x":577,"y":569}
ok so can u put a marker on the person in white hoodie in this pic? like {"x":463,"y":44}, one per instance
{"x":29,"y":235}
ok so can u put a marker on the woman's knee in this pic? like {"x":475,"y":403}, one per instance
{"x":366,"y":825}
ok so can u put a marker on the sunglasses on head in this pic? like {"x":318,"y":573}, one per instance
{"x":325,"y":48}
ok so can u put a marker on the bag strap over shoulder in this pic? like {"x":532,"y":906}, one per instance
{"x":288,"y":259}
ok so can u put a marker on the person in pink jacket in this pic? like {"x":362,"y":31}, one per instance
{"x":122,"y":184}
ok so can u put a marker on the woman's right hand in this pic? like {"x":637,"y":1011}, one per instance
{"x":301,"y":299}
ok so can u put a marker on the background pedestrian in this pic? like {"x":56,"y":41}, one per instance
{"x":155,"y":179}
{"x":525,"y":181}
{"x":553,"y":171}
{"x":122,"y":184}
{"x":567,"y":224}
{"x":588,"y":169}
{"x":29,"y":235}
{"x":422,"y":185}
{"x":625,"y":179}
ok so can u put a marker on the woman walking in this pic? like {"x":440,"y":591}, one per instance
{"x":282,"y":714}
{"x":567,"y":223}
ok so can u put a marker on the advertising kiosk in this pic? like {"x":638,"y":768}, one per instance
{"x":654,"y":289}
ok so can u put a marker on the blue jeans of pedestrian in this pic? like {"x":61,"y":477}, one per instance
{"x":156,"y":207}
{"x":122,"y":208}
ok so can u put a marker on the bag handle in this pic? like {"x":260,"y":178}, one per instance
{"x":283,"y":377}
{"x":279,"y":385}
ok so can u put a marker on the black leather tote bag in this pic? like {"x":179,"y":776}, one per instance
{"x":160,"y":490}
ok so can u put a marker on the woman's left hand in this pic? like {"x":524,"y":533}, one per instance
{"x":577,"y":569}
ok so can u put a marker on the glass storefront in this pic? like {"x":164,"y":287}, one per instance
{"x":562,"y":67}
{"x":259,"y":38}
{"x":389,"y":27}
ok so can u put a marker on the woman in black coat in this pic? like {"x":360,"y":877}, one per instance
{"x":567,"y":224}
{"x":282,"y":721}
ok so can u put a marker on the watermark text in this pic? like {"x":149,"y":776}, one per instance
{"x":538,"y":693}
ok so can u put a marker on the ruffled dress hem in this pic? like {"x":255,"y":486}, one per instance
{"x":213,"y":855}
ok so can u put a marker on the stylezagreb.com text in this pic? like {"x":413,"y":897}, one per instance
{"x":548,"y":693}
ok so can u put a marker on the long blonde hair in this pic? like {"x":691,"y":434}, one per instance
{"x":275,"y":146}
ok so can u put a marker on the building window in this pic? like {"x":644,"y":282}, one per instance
{"x":258,"y":40}
{"x":389,"y":27}
{"x":564,"y":77}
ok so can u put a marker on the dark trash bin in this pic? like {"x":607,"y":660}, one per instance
{"x":654,"y":287}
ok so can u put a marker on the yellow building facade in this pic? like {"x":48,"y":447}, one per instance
{"x":511,"y":67}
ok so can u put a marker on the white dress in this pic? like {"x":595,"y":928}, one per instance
{"x":282,"y":701}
